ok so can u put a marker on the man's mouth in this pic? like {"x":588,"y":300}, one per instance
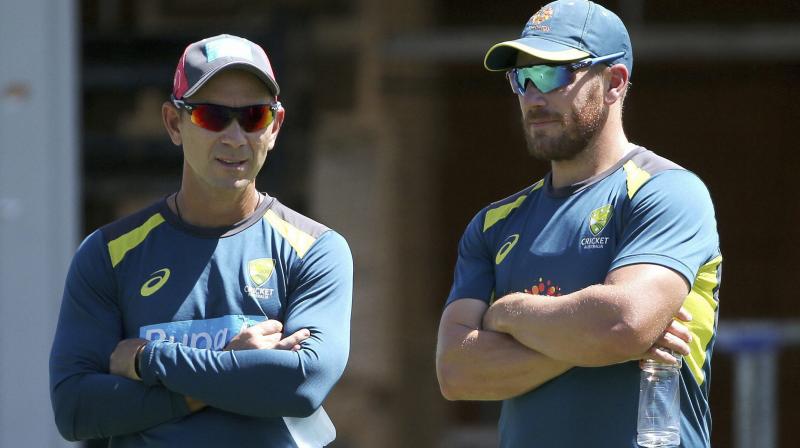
{"x":233,"y":163}
{"x":538,"y":123}
{"x":541,"y":119}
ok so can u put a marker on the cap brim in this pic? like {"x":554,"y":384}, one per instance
{"x":272,"y":85}
{"x":503,"y":56}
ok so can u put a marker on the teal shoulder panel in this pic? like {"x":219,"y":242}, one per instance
{"x":300,"y":231}
{"x":298,"y":221}
{"x":642,"y":167}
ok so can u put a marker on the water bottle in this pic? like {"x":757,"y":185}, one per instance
{"x":659,"y":419}
{"x":314,"y":431}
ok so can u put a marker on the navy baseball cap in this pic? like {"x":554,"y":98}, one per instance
{"x":204,"y":59}
{"x":566,"y":31}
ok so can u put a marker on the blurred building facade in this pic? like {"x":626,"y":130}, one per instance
{"x":395,"y":136}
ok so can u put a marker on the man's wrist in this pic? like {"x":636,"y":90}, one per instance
{"x":136,"y":361}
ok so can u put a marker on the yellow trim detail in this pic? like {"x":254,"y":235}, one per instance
{"x":298,"y":239}
{"x":120,"y":246}
{"x":546,"y":56}
{"x":701,"y":304}
{"x":496,"y":214}
{"x":636,"y":177}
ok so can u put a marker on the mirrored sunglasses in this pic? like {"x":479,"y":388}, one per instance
{"x":547,"y":78}
{"x":215,"y":117}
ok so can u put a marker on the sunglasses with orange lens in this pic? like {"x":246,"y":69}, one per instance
{"x":216,"y":117}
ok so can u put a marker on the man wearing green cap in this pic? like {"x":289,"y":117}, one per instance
{"x":561,"y":288}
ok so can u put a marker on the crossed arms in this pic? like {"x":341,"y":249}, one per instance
{"x":92,"y":379}
{"x":125,"y":360}
{"x":522,"y":341}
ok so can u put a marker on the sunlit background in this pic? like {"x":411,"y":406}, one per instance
{"x":395,"y":136}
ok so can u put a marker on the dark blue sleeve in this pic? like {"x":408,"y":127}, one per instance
{"x":670,"y":223}
{"x":273,"y":383}
{"x":474,"y":272}
{"x":88,"y":402}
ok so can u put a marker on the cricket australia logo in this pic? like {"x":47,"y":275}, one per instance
{"x":259,"y":271}
{"x":542,"y":15}
{"x":598,"y":220}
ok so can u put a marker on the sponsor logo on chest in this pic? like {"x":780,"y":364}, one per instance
{"x":213,"y":333}
{"x":598,"y":221}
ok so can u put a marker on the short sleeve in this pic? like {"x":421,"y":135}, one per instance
{"x":670,"y":222}
{"x":474,"y":272}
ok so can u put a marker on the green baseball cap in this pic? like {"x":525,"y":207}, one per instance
{"x":566,"y":31}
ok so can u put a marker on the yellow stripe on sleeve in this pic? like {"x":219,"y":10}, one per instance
{"x":496,"y":214}
{"x":701,"y":304}
{"x":120,"y":246}
{"x":636,"y":177}
{"x":298,"y":239}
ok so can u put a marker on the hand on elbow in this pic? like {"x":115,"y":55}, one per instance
{"x":675,"y":338}
{"x":639,"y":343}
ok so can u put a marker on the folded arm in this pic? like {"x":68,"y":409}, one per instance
{"x":88,"y":402}
{"x":477,"y":364}
{"x":126,"y":357}
{"x":604,"y":324}
{"x":272,"y":383}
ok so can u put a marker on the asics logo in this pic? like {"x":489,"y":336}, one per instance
{"x":509,"y":244}
{"x":156,"y":281}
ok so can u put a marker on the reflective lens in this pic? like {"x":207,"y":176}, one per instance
{"x":547,"y":78}
{"x":215,"y":117}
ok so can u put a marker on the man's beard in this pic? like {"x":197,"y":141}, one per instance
{"x":586,"y":122}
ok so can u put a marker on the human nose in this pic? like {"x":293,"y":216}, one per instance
{"x":234,"y":135}
{"x":532,"y":97}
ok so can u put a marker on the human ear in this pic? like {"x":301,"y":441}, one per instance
{"x":617,"y":83}
{"x":280,"y":115}
{"x":171,"y":117}
{"x":277,"y":122}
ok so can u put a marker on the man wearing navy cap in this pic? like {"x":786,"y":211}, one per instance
{"x":560,"y":289}
{"x":217,"y":316}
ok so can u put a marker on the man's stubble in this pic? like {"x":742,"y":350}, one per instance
{"x":584,"y":123}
